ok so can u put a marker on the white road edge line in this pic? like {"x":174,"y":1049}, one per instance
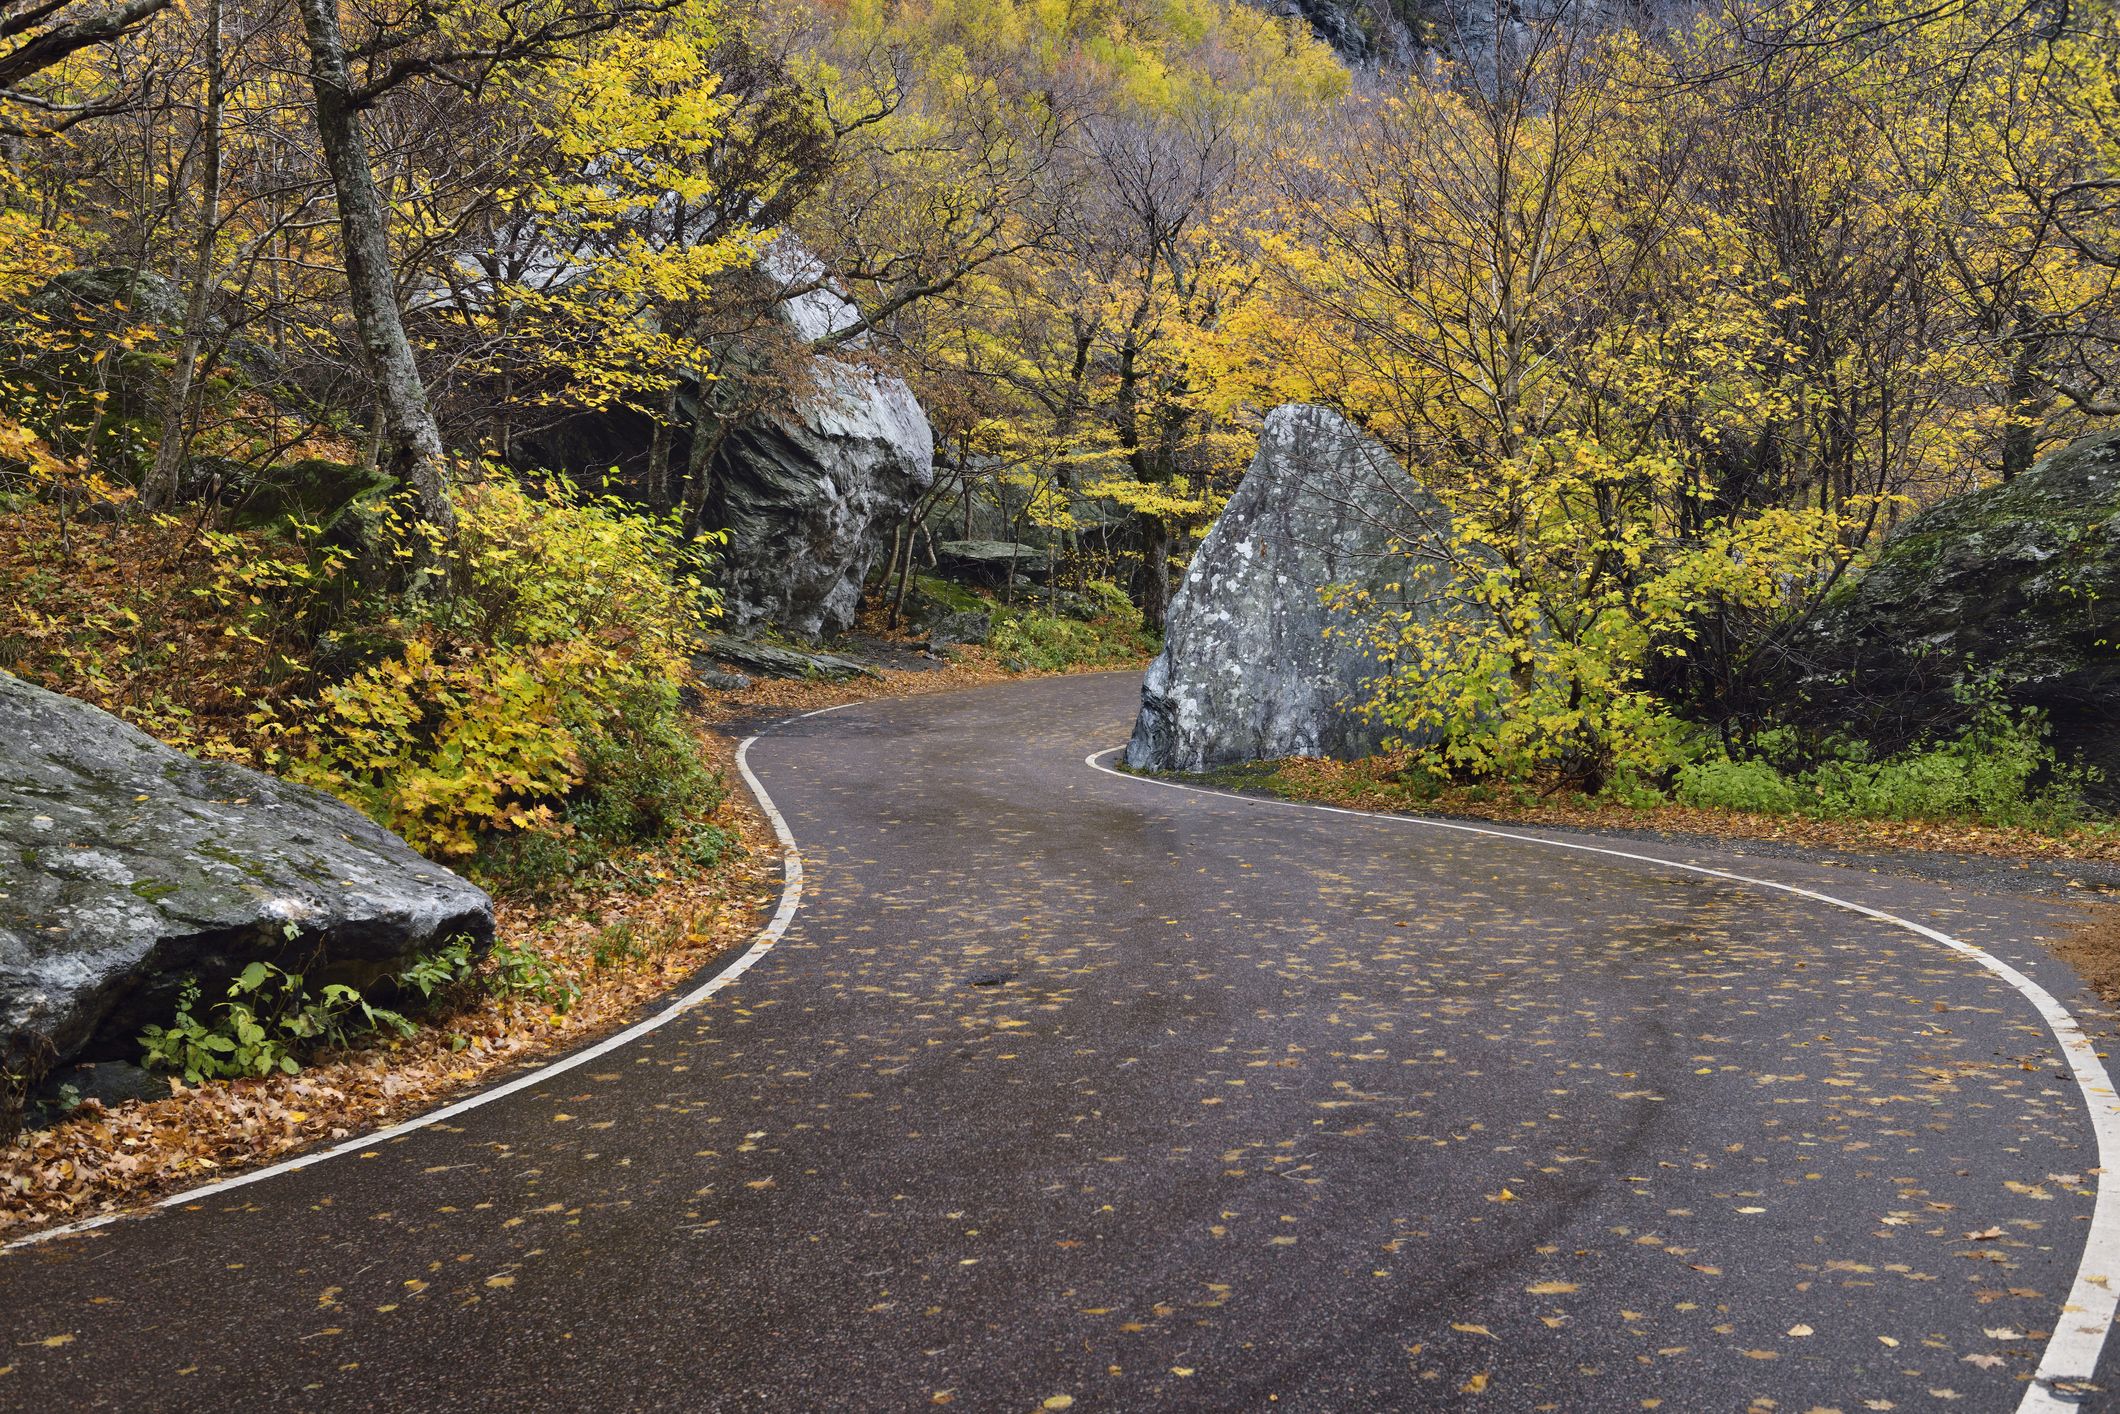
{"x":2079,"y":1336}
{"x":790,"y":900}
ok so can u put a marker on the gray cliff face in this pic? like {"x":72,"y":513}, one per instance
{"x":804,"y":495}
{"x":125,"y":865}
{"x":805,"y":492}
{"x":1401,"y":34}
{"x":2019,"y":582}
{"x":1254,"y":664}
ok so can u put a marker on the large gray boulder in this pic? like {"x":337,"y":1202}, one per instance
{"x":2017,"y":583}
{"x":126,"y":866}
{"x":1255,"y":663}
{"x":806,"y":490}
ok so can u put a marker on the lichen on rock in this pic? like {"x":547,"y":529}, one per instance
{"x":126,"y":866}
{"x":1261,"y":659}
{"x":2017,"y":585}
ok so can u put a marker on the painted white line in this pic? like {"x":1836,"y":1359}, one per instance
{"x":790,"y":900}
{"x":2079,"y":1335}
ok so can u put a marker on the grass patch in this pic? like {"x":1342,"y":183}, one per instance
{"x":1050,"y":643}
{"x":1999,"y":771}
{"x":1399,"y":784}
{"x":1097,"y":627}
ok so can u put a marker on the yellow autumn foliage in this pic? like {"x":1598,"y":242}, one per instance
{"x":569,"y":627}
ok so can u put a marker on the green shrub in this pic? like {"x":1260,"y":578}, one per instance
{"x":1723,"y":784}
{"x":515,"y":970}
{"x":1052,"y":643}
{"x":268,"y":1022}
{"x":1999,"y":771}
{"x":643,"y":782}
{"x":538,"y":695}
{"x":1112,"y":601}
{"x":271,"y":1022}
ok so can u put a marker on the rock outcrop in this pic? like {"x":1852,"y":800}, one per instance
{"x":1396,"y":34}
{"x":805,"y":491}
{"x":1255,"y":663}
{"x":990,"y":562}
{"x":774,"y":661}
{"x":2018,"y":583}
{"x":126,"y":866}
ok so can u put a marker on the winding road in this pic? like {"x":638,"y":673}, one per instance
{"x":1064,"y":1089}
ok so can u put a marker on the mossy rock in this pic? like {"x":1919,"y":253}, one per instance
{"x":126,"y":867}
{"x":314,"y":489}
{"x":2017,"y":584}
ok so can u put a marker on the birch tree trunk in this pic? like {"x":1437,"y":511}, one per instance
{"x":160,"y":487}
{"x":411,"y":441}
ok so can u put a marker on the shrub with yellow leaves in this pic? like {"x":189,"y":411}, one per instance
{"x":562,"y":644}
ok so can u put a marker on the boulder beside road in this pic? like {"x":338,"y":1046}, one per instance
{"x":1258,"y":659}
{"x":126,"y":866}
{"x":2016,"y":584}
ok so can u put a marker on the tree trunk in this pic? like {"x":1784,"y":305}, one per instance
{"x":412,"y":442}
{"x":160,"y":487}
{"x":659,"y":491}
{"x":900,"y":544}
{"x":905,"y":572}
{"x":707,"y":432}
{"x":1155,"y":571}
{"x":2020,"y":437}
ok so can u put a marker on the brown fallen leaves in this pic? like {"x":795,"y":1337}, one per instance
{"x":102,"y":1161}
{"x":2094,"y":950}
{"x":968,"y":666}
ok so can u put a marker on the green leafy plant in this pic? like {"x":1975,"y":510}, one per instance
{"x":516,"y":970}
{"x":444,"y":970}
{"x":1999,"y":770}
{"x":267,"y":1022}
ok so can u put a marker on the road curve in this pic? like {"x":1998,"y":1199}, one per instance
{"x":1070,"y":1090}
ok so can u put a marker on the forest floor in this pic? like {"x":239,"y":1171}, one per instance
{"x":623,"y":939}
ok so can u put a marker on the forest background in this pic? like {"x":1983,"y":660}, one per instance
{"x":1680,"y":311}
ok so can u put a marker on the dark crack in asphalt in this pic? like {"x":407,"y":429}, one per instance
{"x":1070,"y":1091}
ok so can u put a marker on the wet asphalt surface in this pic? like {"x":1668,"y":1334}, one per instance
{"x":1067,"y":1090}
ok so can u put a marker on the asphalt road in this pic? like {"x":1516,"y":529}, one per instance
{"x":1071,"y":1090}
